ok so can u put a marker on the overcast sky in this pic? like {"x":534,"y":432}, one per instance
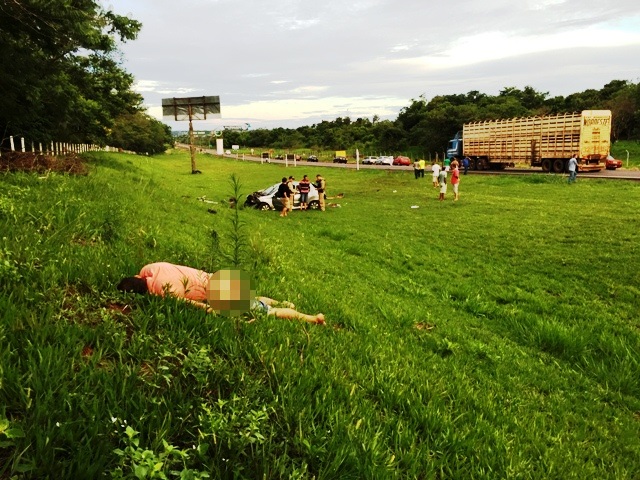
{"x":297,"y":62}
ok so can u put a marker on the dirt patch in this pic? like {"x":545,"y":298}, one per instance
{"x":33,"y":162}
{"x":120,"y":308}
{"x":425,"y":326}
{"x":87,"y":351}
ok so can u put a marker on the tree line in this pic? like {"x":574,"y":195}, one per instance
{"x":427,"y":125}
{"x":61,"y":77}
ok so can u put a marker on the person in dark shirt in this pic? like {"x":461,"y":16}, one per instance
{"x":285,"y":194}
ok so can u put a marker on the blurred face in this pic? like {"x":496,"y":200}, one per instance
{"x":230,"y":292}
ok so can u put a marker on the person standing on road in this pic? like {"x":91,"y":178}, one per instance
{"x":447,"y":164}
{"x":422,"y":165}
{"x":285,"y":194}
{"x":465,"y":165}
{"x":455,"y":181}
{"x":416,"y":169}
{"x":321,"y":186}
{"x":435,"y":171}
{"x":304,"y":186}
{"x":572,"y":166}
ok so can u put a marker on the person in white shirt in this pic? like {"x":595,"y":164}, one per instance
{"x":572,"y":166}
{"x":435,"y":169}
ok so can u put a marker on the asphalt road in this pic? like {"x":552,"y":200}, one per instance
{"x":619,"y":174}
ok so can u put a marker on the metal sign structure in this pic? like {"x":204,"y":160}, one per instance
{"x":191,"y":108}
{"x":246,"y":126}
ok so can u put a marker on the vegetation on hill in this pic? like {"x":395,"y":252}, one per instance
{"x":425,"y":126}
{"x":494,"y":337}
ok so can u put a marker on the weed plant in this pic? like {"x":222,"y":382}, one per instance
{"x":493,"y":337}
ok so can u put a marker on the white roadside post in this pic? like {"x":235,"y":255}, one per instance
{"x":13,"y":147}
{"x":357,"y":159}
{"x":22,"y":143}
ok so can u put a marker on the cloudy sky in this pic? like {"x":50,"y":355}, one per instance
{"x":297,"y":62}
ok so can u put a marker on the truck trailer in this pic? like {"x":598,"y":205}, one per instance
{"x":546,"y":141}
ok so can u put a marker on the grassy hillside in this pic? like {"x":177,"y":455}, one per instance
{"x":494,"y":337}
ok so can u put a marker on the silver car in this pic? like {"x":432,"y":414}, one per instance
{"x":384,"y":160}
{"x":266,"y":199}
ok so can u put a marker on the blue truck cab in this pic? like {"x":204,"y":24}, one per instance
{"x":454,"y":148}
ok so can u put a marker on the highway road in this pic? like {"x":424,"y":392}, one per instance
{"x":619,"y":174}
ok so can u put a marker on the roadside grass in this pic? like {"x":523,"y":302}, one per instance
{"x":494,"y":337}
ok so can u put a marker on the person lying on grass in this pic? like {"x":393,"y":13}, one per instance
{"x":226,"y":292}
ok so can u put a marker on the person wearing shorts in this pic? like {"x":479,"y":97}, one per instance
{"x":455,"y":181}
{"x":225,"y":292}
{"x":284,"y":193}
{"x":435,"y":170}
{"x":442,"y":179}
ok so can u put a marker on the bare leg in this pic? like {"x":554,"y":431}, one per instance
{"x":291,"y":314}
{"x":271,"y":302}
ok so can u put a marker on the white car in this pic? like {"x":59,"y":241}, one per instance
{"x":266,"y":199}
{"x":385,"y":160}
{"x":369,"y":160}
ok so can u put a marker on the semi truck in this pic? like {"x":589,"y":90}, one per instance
{"x":547,"y":141}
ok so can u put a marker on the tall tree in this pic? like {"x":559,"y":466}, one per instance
{"x":59,"y":77}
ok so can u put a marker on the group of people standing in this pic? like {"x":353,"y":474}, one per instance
{"x":287,"y":190}
{"x":418,"y":168}
{"x":439,"y":177}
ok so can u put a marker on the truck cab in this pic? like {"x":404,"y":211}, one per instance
{"x":454,"y":148}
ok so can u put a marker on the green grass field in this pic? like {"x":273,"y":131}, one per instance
{"x":494,"y":337}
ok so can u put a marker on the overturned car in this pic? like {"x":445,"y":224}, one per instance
{"x":266,"y":199}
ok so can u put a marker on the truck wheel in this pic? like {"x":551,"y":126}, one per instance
{"x":480,"y":164}
{"x":546,"y":165}
{"x":558,"y":165}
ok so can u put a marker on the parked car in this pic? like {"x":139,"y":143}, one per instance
{"x":400,"y":160}
{"x":613,"y":163}
{"x":384,"y":160}
{"x":312,"y":158}
{"x":340,"y":160}
{"x":369,"y":160}
{"x":266,"y":199}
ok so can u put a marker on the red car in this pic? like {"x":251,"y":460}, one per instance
{"x":612,"y":163}
{"x":400,"y":160}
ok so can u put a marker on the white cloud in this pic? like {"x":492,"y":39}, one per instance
{"x":497,"y":45}
{"x":291,"y":61}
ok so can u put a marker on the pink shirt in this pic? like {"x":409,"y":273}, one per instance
{"x":455,"y":176}
{"x":180,"y":281}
